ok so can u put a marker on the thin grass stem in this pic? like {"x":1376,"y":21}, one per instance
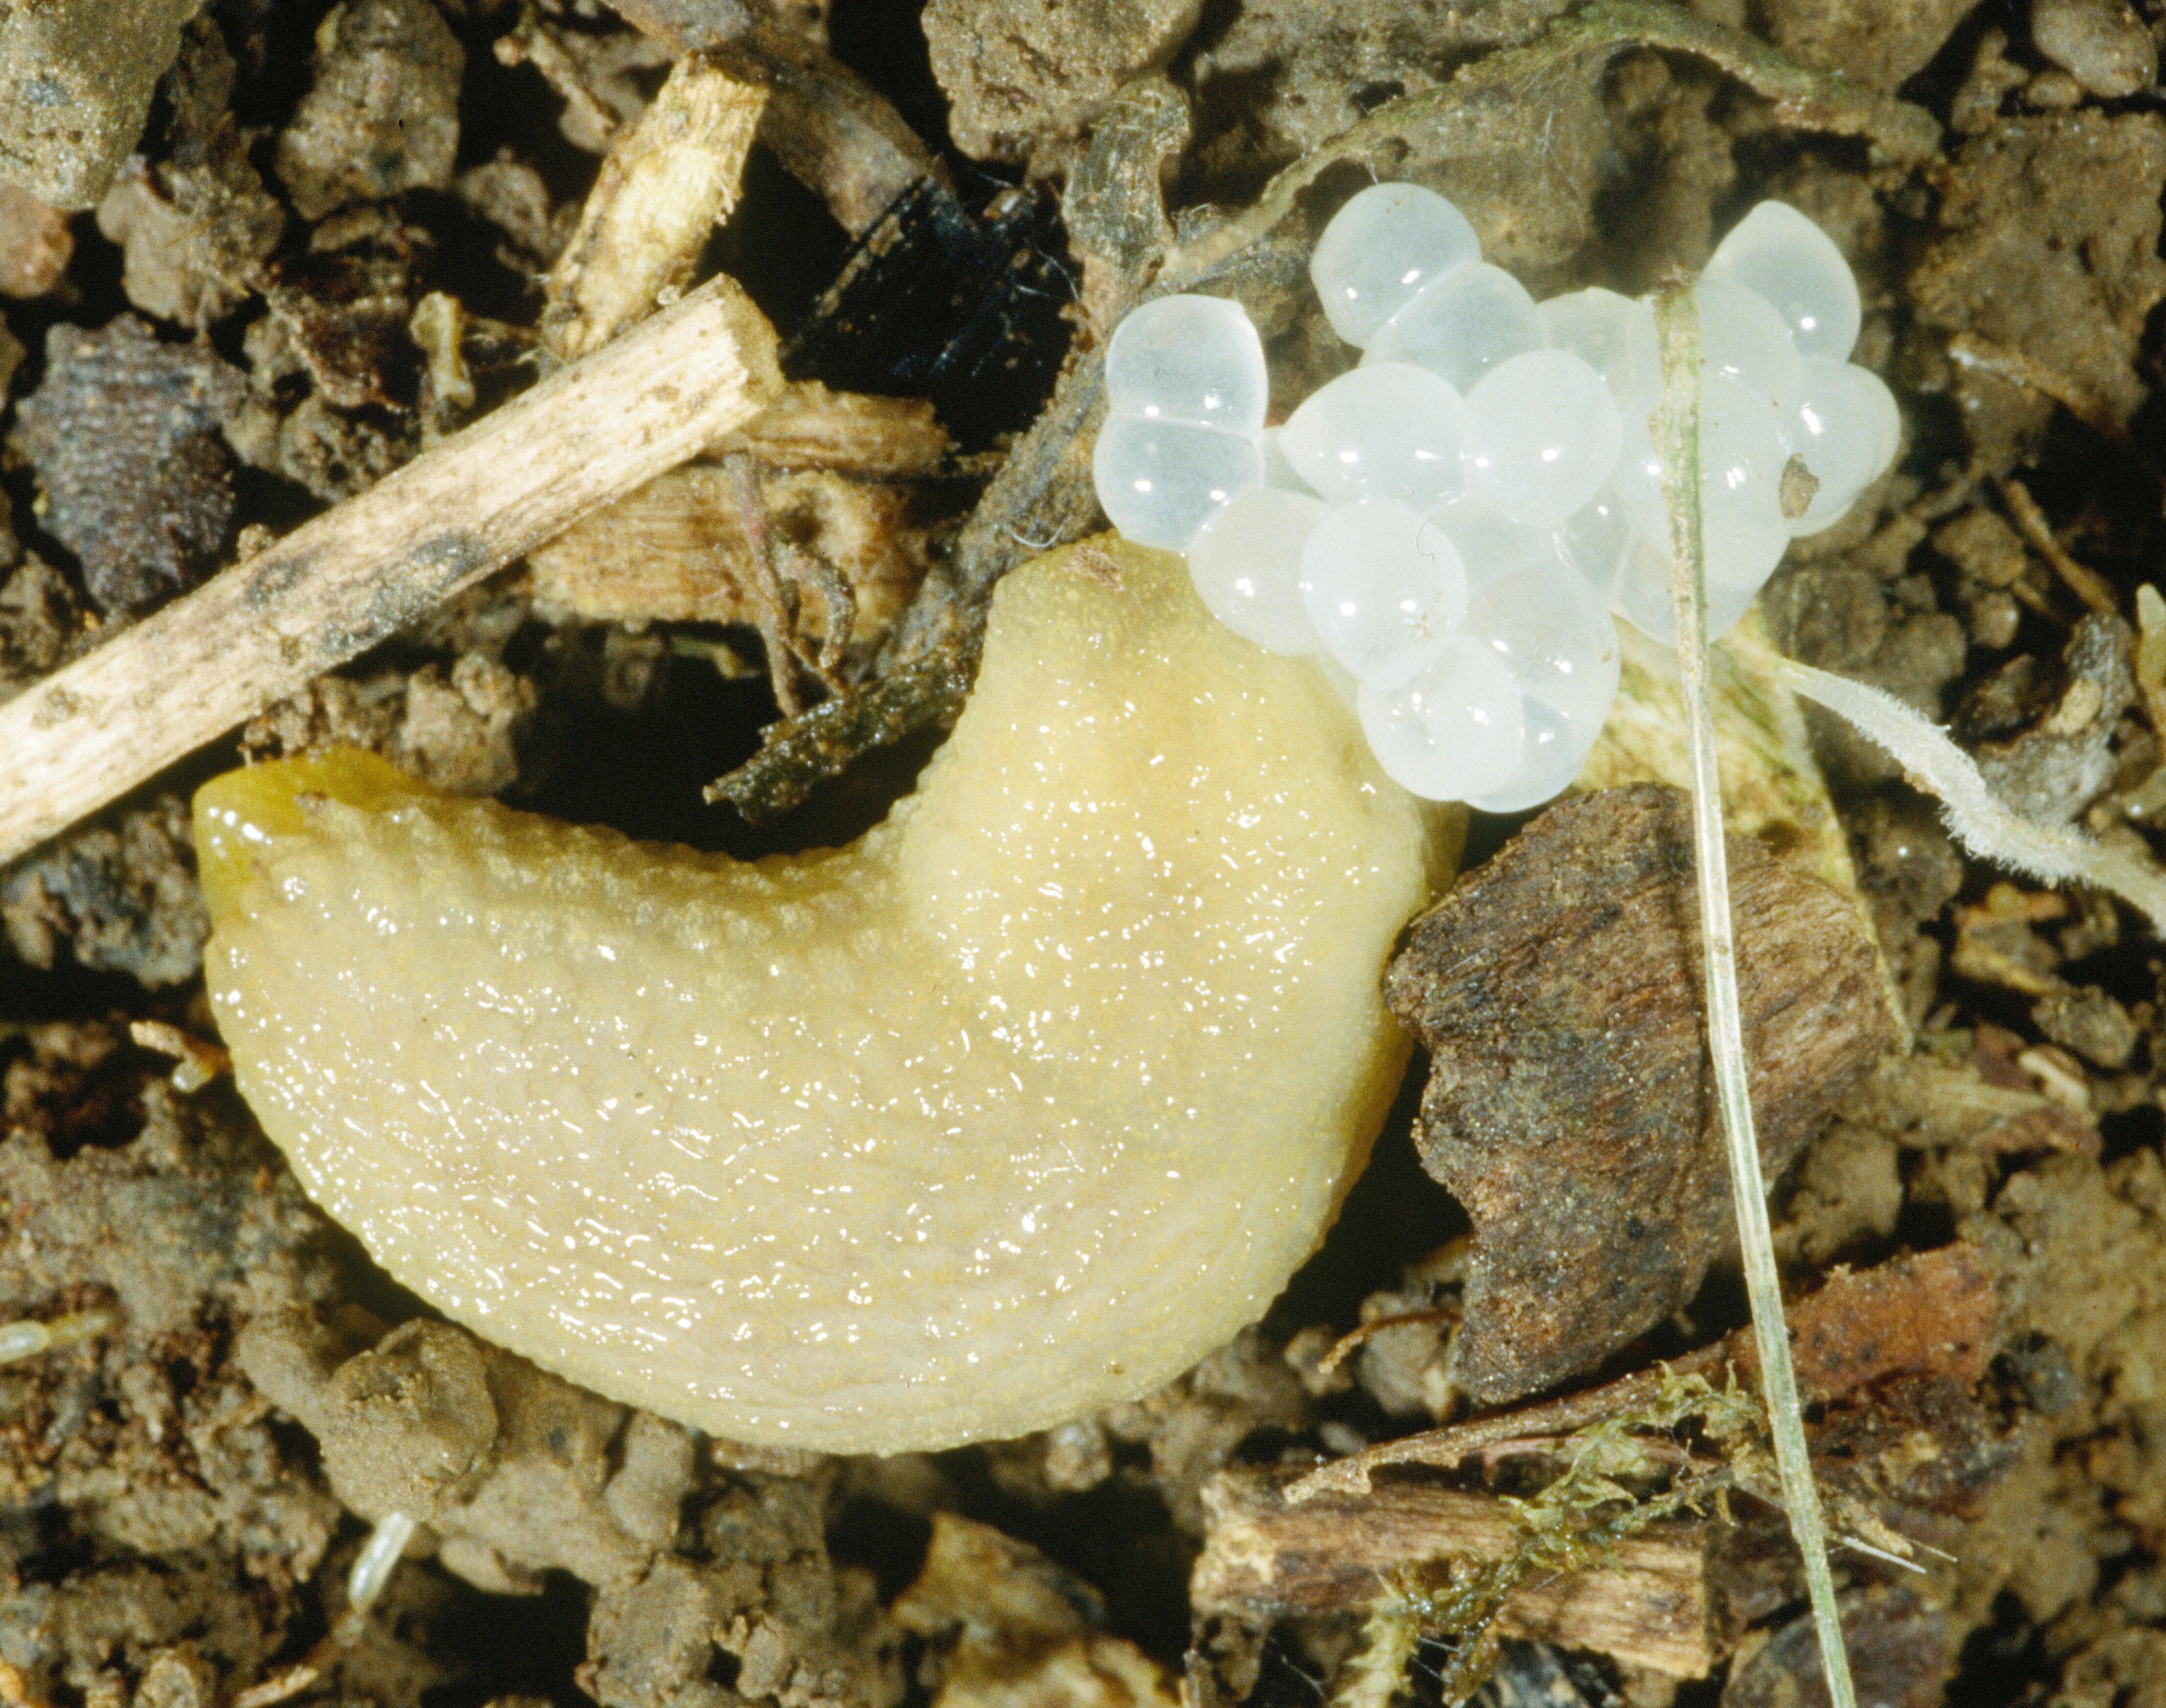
{"x":1677,"y":434}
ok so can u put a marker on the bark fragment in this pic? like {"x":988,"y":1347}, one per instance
{"x":1569,"y":1105}
{"x":122,"y":432}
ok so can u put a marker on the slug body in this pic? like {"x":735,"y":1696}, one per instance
{"x":1012,"y":1109}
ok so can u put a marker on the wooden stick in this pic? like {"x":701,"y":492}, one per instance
{"x":1265,"y":1558}
{"x":258,"y":631}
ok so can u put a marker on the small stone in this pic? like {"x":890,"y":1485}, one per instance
{"x":2090,"y":1022}
{"x":36,"y":244}
{"x":75,"y":88}
{"x":177,"y":1678}
{"x":1983,"y":546}
{"x":2102,"y":44}
{"x":2053,"y":92}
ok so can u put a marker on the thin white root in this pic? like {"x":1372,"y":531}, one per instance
{"x":378,"y":1558}
{"x":1677,"y":432}
{"x":27,"y":1337}
{"x":1975,"y":817}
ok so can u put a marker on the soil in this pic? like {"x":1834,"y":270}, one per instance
{"x":261,"y":263}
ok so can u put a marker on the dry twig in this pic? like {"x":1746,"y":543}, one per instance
{"x":1933,"y":1312}
{"x":831,"y":130}
{"x":353,"y":577}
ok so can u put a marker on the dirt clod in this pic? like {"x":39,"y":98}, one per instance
{"x":119,"y":896}
{"x":41,"y":614}
{"x":2073,"y":308}
{"x":1880,"y":46}
{"x":2102,"y":44}
{"x":75,"y":88}
{"x":1022,"y":78}
{"x":381,"y":116}
{"x":195,"y":226}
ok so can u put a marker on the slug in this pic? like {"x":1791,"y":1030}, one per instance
{"x":1011,"y":1109}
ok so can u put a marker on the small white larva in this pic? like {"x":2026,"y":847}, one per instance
{"x":1013,"y":1109}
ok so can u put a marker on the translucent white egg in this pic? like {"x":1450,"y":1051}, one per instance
{"x":1490,"y":545}
{"x":1278,"y":473}
{"x":1555,"y":638}
{"x":1615,"y":335}
{"x":1742,"y":335}
{"x":1461,"y":326}
{"x":1245,"y":560}
{"x":1192,"y":359}
{"x":1454,"y":730}
{"x":1641,"y":597}
{"x":1380,"y":248}
{"x":1594,"y":539}
{"x":1637,"y":480}
{"x":1384,"y":587}
{"x":1778,"y":253}
{"x":1552,"y":753}
{"x":1390,"y":430}
{"x":1542,"y":435}
{"x":1158,"y":480}
{"x":1743,"y":554}
{"x":1741,"y":458}
{"x":1845,"y":430}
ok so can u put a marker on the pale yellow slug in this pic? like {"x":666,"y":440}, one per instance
{"x":1012,"y":1109}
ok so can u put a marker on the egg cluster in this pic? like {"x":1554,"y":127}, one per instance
{"x":1451,"y":525}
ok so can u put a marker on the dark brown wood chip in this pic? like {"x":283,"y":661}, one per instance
{"x":1569,"y":1105}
